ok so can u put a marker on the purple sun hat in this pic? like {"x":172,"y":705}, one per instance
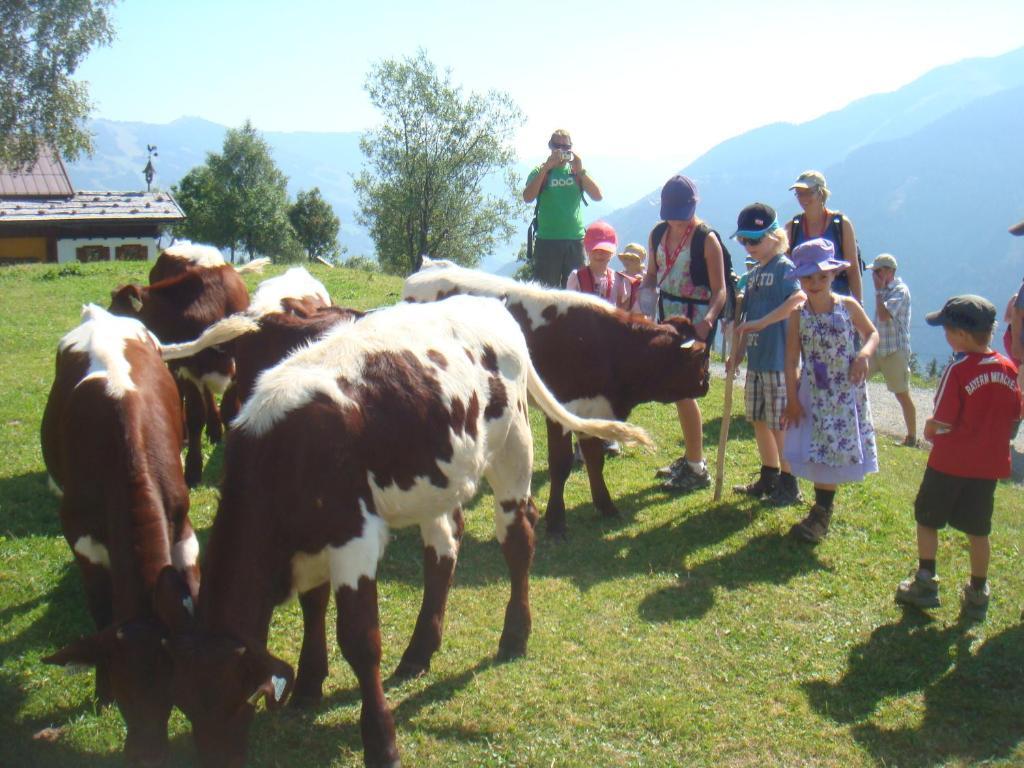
{"x":817,"y":255}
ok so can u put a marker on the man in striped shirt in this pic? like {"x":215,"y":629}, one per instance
{"x":892,"y":318}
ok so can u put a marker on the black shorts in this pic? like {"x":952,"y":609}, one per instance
{"x":964,"y":502}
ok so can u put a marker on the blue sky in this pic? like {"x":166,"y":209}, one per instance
{"x":626,"y":78}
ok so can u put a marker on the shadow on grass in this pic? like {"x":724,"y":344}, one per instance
{"x":765,"y":559}
{"x":28,"y":507}
{"x":973,"y":703}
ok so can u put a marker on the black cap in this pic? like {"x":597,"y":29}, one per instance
{"x":755,"y":220}
{"x":968,"y":312}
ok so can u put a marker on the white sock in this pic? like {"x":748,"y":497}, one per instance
{"x":697,"y":466}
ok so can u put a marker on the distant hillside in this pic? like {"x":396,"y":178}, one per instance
{"x":931,"y":172}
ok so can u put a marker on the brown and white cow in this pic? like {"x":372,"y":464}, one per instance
{"x":111,"y":439}
{"x":390,"y":421}
{"x":180,"y":308}
{"x":184,"y":255}
{"x":599,"y":361}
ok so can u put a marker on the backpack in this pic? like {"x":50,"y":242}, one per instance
{"x":835,"y":232}
{"x":586,"y":278}
{"x":699,"y":266}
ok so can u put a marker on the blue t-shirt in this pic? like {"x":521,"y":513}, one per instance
{"x":768,"y":288}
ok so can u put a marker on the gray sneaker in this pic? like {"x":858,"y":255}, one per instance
{"x":687,"y":479}
{"x":670,"y":469}
{"x":974,"y":602}
{"x":920,"y":590}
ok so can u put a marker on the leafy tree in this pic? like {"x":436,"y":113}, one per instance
{"x":239,"y":199}
{"x":933,"y":369}
{"x":315,"y":224}
{"x":421,"y":190}
{"x":41,"y":45}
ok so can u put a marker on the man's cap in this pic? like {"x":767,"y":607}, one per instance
{"x":756,"y":220}
{"x":817,"y":255}
{"x":1018,"y":228}
{"x":966,"y":312}
{"x":810,"y":180}
{"x":634,"y":253}
{"x":883,"y":261}
{"x":600,"y":236}
{"x":679,"y":199}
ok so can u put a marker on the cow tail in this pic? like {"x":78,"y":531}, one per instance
{"x":255,"y":266}
{"x":602,"y":428}
{"x":226,"y":330}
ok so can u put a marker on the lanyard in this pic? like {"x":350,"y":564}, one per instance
{"x":670,"y":258}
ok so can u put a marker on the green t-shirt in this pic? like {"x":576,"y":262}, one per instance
{"x":559,"y":210}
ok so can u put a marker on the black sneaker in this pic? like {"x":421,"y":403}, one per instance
{"x":760,"y":487}
{"x":670,"y":469}
{"x":814,"y":527}
{"x":687,"y":479}
{"x":786,"y":493}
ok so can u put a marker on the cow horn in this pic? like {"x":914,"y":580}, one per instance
{"x":687,"y":344}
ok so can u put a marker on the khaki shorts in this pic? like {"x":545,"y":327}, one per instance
{"x":895,"y":368}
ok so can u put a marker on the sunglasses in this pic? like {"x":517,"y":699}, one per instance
{"x":559,"y":146}
{"x":751,"y":240}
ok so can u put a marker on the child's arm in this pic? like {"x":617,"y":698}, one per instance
{"x":933,"y":427}
{"x":739,"y":349}
{"x":868,"y":332}
{"x":777,"y":315}
{"x":793,"y":413}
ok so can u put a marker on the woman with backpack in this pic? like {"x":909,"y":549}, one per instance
{"x":686,"y":276}
{"x":818,"y":221}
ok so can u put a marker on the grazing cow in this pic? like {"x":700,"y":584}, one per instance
{"x":111,"y":439}
{"x":389,"y":421}
{"x":180,"y":308}
{"x":598,"y":360}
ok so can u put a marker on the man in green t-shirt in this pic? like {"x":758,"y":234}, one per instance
{"x":558,"y":187}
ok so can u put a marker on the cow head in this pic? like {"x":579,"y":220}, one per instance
{"x":218,"y":680}
{"x":218,"y":683}
{"x":127,"y":300}
{"x":140,"y":678}
{"x":688,"y":373}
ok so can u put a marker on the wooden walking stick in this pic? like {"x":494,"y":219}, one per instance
{"x":723,"y":436}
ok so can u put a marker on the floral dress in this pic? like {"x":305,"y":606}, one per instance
{"x":835,"y":441}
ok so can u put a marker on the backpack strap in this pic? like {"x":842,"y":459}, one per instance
{"x":585,"y":278}
{"x":654,"y":240}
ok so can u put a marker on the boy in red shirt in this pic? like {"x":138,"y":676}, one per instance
{"x":977,"y":405}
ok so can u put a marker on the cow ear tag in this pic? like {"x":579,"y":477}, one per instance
{"x":136,"y":304}
{"x":279,"y":685}
{"x":687,"y":344}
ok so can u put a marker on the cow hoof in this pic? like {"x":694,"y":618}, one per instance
{"x":511,"y":649}
{"x":557,"y":533}
{"x":396,"y":763}
{"x":410,"y":670}
{"x":609,"y":511}
{"x":305,"y":699}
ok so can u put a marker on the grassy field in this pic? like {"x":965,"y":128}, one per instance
{"x":684,"y":633}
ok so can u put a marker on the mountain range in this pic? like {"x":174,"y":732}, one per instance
{"x":931,"y":172}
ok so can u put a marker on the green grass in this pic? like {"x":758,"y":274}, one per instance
{"x":684,"y":633}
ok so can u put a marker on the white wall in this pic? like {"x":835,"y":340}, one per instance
{"x":66,"y":248}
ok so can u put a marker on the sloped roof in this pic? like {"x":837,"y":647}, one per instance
{"x":93,"y":206}
{"x":47,"y":178}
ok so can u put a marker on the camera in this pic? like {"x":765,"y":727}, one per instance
{"x":566,"y":155}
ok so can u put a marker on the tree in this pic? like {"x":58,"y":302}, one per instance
{"x":315,"y":224}
{"x":238,"y":199}
{"x":41,"y":45}
{"x":421,"y":190}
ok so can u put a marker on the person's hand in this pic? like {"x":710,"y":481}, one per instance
{"x":554,"y":160}
{"x":751,"y":326}
{"x":732,"y":365}
{"x":576,"y":164}
{"x":858,"y":370}
{"x":702,"y":328}
{"x":877,"y":280}
{"x":793,"y":415}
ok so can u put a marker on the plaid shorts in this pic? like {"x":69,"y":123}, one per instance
{"x":765,"y":397}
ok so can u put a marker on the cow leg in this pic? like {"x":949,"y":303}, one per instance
{"x":99,"y":600}
{"x":229,"y":404}
{"x":214,"y":427}
{"x":194,"y":417}
{"x":593,"y":455}
{"x":559,"y":467}
{"x":515,"y":516}
{"x":441,"y":539}
{"x":313,"y":657}
{"x":354,"y":578}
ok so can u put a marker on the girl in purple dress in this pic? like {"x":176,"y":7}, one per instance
{"x":829,"y":435}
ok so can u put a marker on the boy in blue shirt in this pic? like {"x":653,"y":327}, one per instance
{"x":768,"y":300}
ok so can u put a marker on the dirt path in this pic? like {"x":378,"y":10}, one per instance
{"x":888,"y":418}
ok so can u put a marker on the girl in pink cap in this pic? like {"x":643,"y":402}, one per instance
{"x":596,"y":277}
{"x":829,"y":438}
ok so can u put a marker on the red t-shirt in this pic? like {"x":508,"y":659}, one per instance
{"x":978,"y":396}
